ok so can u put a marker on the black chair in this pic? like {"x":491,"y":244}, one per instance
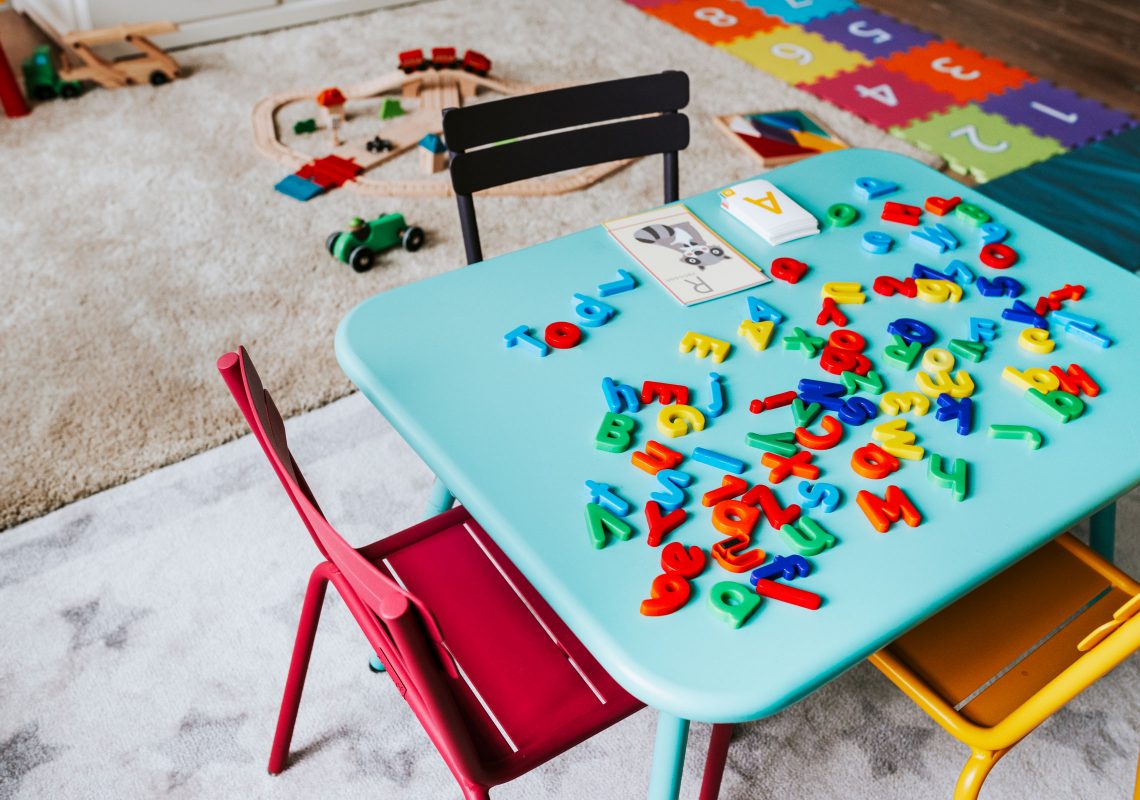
{"x":475,"y":166}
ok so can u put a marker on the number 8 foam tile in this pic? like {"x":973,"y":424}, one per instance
{"x":798,"y":12}
{"x":1058,"y":113}
{"x":976,"y":143}
{"x":961,"y":72}
{"x":868,"y":32}
{"x":793,"y":55}
{"x":715,"y":22}
{"x":881,"y":97}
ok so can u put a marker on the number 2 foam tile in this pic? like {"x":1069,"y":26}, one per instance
{"x":980,"y":144}
{"x":964,"y":73}
{"x":714,"y":22}
{"x":798,"y":12}
{"x":793,"y":55}
{"x":1060,"y":113}
{"x":881,"y":97}
{"x":868,"y":32}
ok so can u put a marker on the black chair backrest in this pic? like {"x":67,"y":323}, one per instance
{"x":475,"y":166}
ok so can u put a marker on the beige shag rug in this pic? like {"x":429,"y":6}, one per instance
{"x":142,"y":236}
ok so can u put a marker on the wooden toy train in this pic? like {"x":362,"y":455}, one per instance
{"x":444,"y":58}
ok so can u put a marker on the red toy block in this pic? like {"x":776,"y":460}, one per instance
{"x":880,"y":96}
{"x":838,"y":361}
{"x":756,"y":406}
{"x":964,"y":74}
{"x":830,"y":313}
{"x":1045,"y":305}
{"x":776,"y":515}
{"x":941,"y":206}
{"x":10,"y":96}
{"x":788,"y":269}
{"x":826,"y":441}
{"x":656,"y":458}
{"x":881,"y":512}
{"x":661,"y":525}
{"x":562,"y":335}
{"x":735,"y":518}
{"x":788,"y":594}
{"x":901,"y":213}
{"x":779,"y":400}
{"x":730,"y":486}
{"x":687,"y":563}
{"x":731,"y":555}
{"x":1075,"y":380}
{"x":799,"y":465}
{"x":888,"y":286}
{"x":873,"y":462}
{"x":667,"y":393}
{"x":998,"y":255}
{"x":330,"y":171}
{"x":1068,"y":292}
{"x":667,"y":594}
{"x":847,"y":340}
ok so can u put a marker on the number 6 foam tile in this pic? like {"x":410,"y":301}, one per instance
{"x":868,"y":32}
{"x":964,"y":73}
{"x":881,"y":97}
{"x":976,"y":143}
{"x":1058,"y":113}
{"x":715,"y":22}
{"x":793,"y":55}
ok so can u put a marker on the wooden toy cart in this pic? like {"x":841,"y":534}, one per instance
{"x":152,"y":64}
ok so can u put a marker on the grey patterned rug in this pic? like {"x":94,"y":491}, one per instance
{"x":146,"y":633}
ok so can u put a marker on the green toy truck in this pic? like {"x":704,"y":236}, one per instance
{"x":41,"y":78}
{"x":363,"y":241}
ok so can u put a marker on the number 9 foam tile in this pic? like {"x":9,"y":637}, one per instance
{"x":798,"y":12}
{"x":868,"y":32}
{"x":793,"y":55}
{"x":979,"y":144}
{"x":881,"y":97}
{"x":965,"y":74}
{"x":1059,"y":113}
{"x":715,"y":22}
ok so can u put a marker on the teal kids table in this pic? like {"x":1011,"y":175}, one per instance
{"x":512,"y":435}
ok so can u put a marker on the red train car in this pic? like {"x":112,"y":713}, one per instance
{"x":443,"y":57}
{"x":412,"y":60}
{"x":474,"y":61}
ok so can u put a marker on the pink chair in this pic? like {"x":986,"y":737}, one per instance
{"x":497,"y":680}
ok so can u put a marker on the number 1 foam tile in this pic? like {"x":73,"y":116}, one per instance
{"x":980,"y":144}
{"x":1059,"y":113}
{"x":964,"y":73}
{"x":881,"y":97}
{"x":798,"y":12}
{"x":712,"y":22}
{"x":868,"y":32}
{"x":793,"y":55}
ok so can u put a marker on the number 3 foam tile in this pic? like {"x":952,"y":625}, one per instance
{"x":964,"y":73}
{"x":715,"y":22}
{"x":881,"y":97}
{"x":798,"y":12}
{"x":1060,"y":113}
{"x":983,"y":145}
{"x":793,"y":55}
{"x":868,"y":32}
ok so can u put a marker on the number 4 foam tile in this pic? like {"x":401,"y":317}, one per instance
{"x":976,"y":143}
{"x":881,"y":97}
{"x":797,"y":12}
{"x":712,"y":22}
{"x":868,"y":32}
{"x":1059,"y":113}
{"x":793,"y":55}
{"x":964,"y":73}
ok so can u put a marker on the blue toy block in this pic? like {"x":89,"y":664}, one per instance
{"x":872,"y":188}
{"x":620,"y":396}
{"x":1024,"y":313}
{"x":522,"y":334}
{"x":671,"y":494}
{"x":606,"y":497}
{"x":912,"y":330}
{"x":999,"y":287}
{"x":716,"y":407}
{"x":982,"y":329}
{"x":786,"y":567}
{"x":298,"y":188}
{"x":719,"y":460}
{"x":959,"y":408}
{"x":624,"y":283}
{"x":758,"y":311}
{"x":1089,"y":334}
{"x":923,"y":271}
{"x":1067,"y":318}
{"x":958,"y":272}
{"x":993,"y":233}
{"x":857,"y":410}
{"x":592,"y":313}
{"x":827,"y":394}
{"x":936,"y":236}
{"x":877,"y":242}
{"x":819,"y":494}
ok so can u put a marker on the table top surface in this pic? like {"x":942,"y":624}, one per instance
{"x":512,"y":434}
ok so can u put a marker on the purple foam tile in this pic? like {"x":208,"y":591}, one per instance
{"x":1049,"y":110}
{"x":869,"y":32}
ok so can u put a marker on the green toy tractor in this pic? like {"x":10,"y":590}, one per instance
{"x":363,"y":241}
{"x":42,"y":80}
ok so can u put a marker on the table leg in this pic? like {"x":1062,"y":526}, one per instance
{"x":1102,"y":531}
{"x":714,"y":762}
{"x":668,"y":757}
{"x":440,"y":499}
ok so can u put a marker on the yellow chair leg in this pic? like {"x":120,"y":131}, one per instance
{"x":975,"y":772}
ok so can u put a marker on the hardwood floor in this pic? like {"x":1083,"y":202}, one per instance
{"x":1091,"y":46}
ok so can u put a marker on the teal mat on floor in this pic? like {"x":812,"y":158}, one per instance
{"x":1090,"y":195}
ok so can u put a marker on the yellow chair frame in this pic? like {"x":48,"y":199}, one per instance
{"x":997,"y":663}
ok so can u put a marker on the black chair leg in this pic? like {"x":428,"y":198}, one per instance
{"x":470,"y":228}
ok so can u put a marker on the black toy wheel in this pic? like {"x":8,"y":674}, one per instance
{"x":362,"y":259}
{"x":413,"y":239}
{"x":70,"y":91}
{"x":42,"y":93}
{"x":330,"y":243}
{"x":157,"y":78}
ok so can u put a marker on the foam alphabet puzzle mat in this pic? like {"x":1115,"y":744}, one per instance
{"x":986,"y":118}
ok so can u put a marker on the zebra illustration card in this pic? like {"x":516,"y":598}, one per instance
{"x":684,"y":255}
